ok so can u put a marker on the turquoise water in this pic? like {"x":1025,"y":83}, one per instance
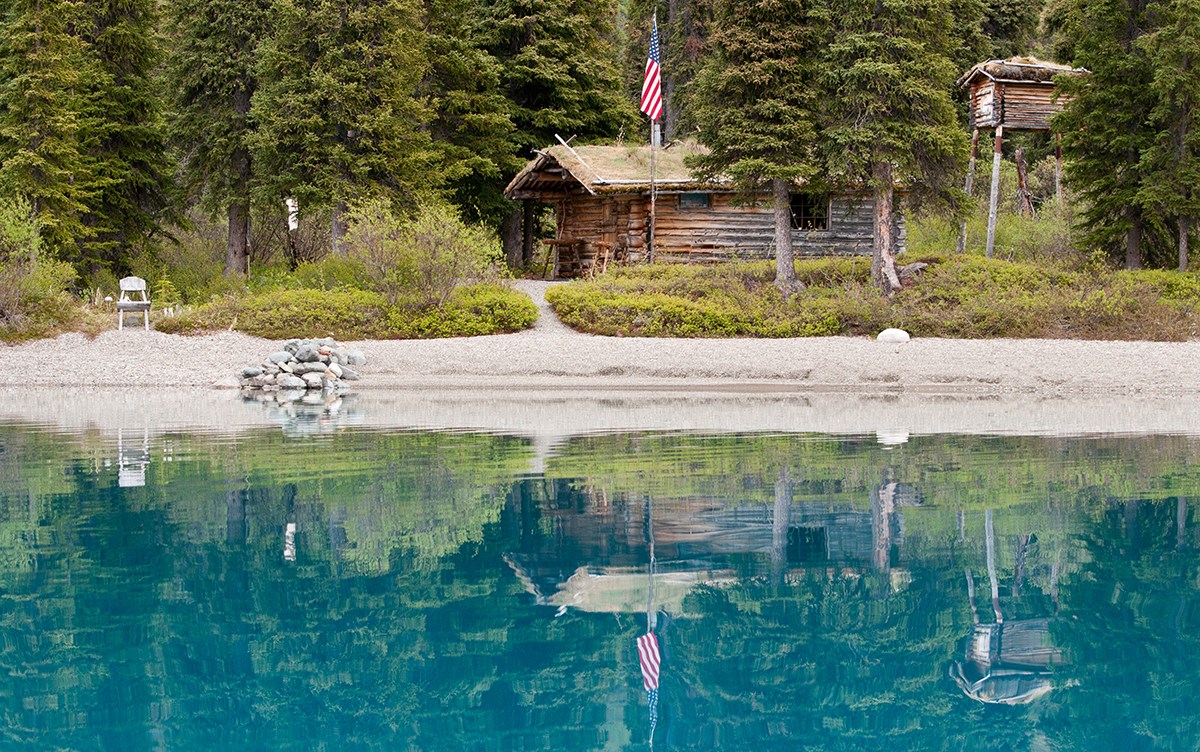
{"x":453,"y":591}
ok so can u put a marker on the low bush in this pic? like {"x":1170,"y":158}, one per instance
{"x":956,"y":296}
{"x":358,"y":314}
{"x":34,"y":301}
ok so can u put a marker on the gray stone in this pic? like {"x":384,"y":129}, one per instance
{"x":350,"y":375}
{"x":253,"y":382}
{"x":287,"y":367}
{"x":313,"y":380}
{"x":302,"y":368}
{"x":271,"y":368}
{"x":306,"y":354}
{"x":283,"y":356}
{"x":339,"y":356}
{"x":290,"y":382}
{"x":251,"y":372}
{"x":291,"y":346}
{"x":336,"y":370}
{"x":356,"y":358}
{"x":329,"y":342}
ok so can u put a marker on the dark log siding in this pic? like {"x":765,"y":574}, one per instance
{"x":731,"y":227}
{"x":1017,"y":105}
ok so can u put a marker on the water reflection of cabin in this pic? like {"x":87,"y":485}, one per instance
{"x":602,"y":200}
{"x":596,"y":559}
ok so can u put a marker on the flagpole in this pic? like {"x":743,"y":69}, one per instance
{"x":653,"y":186}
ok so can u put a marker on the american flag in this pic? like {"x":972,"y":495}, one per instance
{"x":648,"y":657}
{"x":652,"y":83}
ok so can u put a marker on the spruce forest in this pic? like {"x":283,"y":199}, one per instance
{"x":134,"y":131}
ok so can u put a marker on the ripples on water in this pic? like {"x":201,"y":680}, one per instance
{"x":325,"y":587}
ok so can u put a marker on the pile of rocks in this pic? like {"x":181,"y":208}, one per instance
{"x":305,"y":364}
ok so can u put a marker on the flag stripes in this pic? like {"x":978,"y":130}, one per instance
{"x":647,"y":647}
{"x":652,"y":103}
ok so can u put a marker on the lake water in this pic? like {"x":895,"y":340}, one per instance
{"x":314,"y":585}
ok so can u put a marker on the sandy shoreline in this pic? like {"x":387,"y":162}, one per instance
{"x":551,"y":357}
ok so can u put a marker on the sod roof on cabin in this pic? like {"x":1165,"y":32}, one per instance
{"x":1019,"y":69}
{"x":607,"y":168}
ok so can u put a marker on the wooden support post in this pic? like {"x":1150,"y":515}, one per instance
{"x":1058,"y":167}
{"x":528,"y":230}
{"x":994,"y":200}
{"x":962,"y":230}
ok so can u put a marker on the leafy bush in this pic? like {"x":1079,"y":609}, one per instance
{"x":33,"y":288}
{"x":956,"y":296}
{"x":358,"y":314}
{"x":419,"y":262}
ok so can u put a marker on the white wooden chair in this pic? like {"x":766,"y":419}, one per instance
{"x":127,"y":304}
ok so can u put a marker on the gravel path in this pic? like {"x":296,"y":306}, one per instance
{"x":551,"y":356}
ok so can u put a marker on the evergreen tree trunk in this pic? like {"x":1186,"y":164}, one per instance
{"x":528,"y":230}
{"x":1133,"y":242}
{"x":883,"y":260}
{"x":236,"y":258}
{"x":1185,"y":226}
{"x":785,"y":263}
{"x":510,"y":236}
{"x":337,"y":228}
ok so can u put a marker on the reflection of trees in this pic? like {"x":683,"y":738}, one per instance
{"x":1134,"y":631}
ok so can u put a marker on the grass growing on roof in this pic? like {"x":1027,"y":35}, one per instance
{"x":963,"y":296}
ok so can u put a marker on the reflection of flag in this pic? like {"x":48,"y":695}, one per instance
{"x":647,"y":647}
{"x":648,"y":657}
{"x":652,"y":82}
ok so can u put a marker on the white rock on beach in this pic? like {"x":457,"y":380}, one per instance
{"x":893,"y":335}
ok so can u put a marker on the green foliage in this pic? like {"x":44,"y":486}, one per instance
{"x":211,"y":67}
{"x":956,"y":296}
{"x":756,"y":99}
{"x":33,"y":288}
{"x":887,"y":77}
{"x":471,"y":127}
{"x":1046,"y":238}
{"x":337,"y":120}
{"x":418,"y":262}
{"x":358,"y":314}
{"x":43,"y":66}
{"x":1107,"y":124}
{"x":125,"y":136}
{"x":557,"y":66}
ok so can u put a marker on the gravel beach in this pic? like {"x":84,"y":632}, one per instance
{"x":553,"y":357}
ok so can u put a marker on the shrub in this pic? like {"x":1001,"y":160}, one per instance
{"x":358,"y":314}
{"x":33,"y":288}
{"x":956,"y":296}
{"x":418,"y":262}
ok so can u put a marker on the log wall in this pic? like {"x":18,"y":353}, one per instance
{"x":730,"y":227}
{"x":1015,"y":105}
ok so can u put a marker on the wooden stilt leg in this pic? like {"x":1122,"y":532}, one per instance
{"x":994,"y":200}
{"x":962,"y":230}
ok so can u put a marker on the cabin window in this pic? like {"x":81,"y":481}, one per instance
{"x":694,"y":201}
{"x":810,"y":211}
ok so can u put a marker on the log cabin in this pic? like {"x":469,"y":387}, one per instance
{"x":601,"y":195}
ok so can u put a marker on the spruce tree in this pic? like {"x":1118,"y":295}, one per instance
{"x":757,"y":103}
{"x":559,"y":75}
{"x":212,"y":75}
{"x":42,"y":64}
{"x":1106,"y":124}
{"x":124,"y":132}
{"x":338,"y":116}
{"x":889,"y":115}
{"x":1171,"y":164}
{"x":472,"y":129}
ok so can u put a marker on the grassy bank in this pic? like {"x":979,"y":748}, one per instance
{"x":963,"y":296}
{"x":359,"y":314}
